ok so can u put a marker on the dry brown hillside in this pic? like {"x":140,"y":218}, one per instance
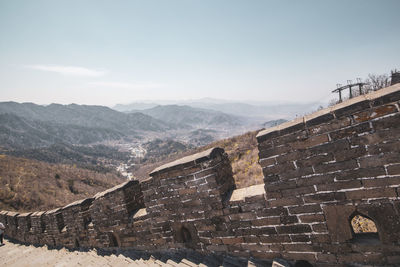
{"x":27,"y":185}
{"x":243,"y":154}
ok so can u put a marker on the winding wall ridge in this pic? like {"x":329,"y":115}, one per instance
{"x":319,"y":171}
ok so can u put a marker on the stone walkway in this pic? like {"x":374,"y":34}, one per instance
{"x":14,"y":254}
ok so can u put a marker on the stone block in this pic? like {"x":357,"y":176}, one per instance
{"x":294,"y":229}
{"x":336,"y":166}
{"x":312,"y":208}
{"x":374,"y":113}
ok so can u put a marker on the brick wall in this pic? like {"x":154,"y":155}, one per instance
{"x":323,"y":169}
{"x":319,"y":172}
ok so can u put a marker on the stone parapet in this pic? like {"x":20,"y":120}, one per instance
{"x":325,"y":168}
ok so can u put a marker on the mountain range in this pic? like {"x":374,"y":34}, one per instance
{"x":255,"y":110}
{"x":84,"y":116}
{"x":28,"y":125}
{"x":186,"y":117}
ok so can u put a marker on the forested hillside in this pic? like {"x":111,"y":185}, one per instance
{"x":27,"y":185}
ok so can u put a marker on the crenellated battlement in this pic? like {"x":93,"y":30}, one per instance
{"x":320,"y":171}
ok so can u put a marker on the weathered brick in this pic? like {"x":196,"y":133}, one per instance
{"x":294,"y":229}
{"x":291,"y":156}
{"x":243,"y":216}
{"x":298,"y":191}
{"x":315,"y":180}
{"x":338,"y":145}
{"x":387,"y":122}
{"x":310,"y":142}
{"x":289,"y":220}
{"x":350,"y":154}
{"x":387,"y":98}
{"x":251,"y":239}
{"x":339,"y":185}
{"x":277,"y":169}
{"x":360,"y":173}
{"x":280,"y":186}
{"x":351,"y":131}
{"x":267,"y":162}
{"x":275,"y":151}
{"x":270,"y":178}
{"x":277,"y":211}
{"x":336,"y":166}
{"x":266,"y":221}
{"x":263,"y":231}
{"x":381,"y":182}
{"x":300,"y":238}
{"x":305,"y":209}
{"x":378,"y":137}
{"x":255,"y":247}
{"x":379,"y":160}
{"x":324,"y":197}
{"x":299,"y":127}
{"x":351,"y":109}
{"x":232,"y":240}
{"x":289,"y":201}
{"x":393,"y":169}
{"x":301,"y":248}
{"x":371,"y":193}
{"x":312,"y":218}
{"x":388,"y":146}
{"x":254,"y":206}
{"x":331,"y":126}
{"x":299,"y":172}
{"x":265,"y":255}
{"x":328,"y":117}
{"x":374,"y":113}
{"x":275,"y":239}
{"x":292,"y":137}
{"x":314,"y":160}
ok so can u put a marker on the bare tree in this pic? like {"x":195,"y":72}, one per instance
{"x":375,"y":82}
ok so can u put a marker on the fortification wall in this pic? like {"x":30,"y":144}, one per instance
{"x":327,"y":167}
{"x":319,"y":172}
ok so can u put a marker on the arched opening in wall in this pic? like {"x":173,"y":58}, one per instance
{"x":87,"y":222}
{"x":113,"y":240}
{"x":364,"y":229}
{"x":16,"y":222}
{"x":185,"y":235}
{"x":29,"y":224}
{"x":60,"y":223}
{"x":76,"y":243}
{"x":42,"y":225}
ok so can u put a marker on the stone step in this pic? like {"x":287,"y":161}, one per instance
{"x":172,"y":262}
{"x":14,"y":254}
{"x":189,"y":263}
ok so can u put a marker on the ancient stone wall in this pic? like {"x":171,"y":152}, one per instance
{"x":327,"y":167}
{"x":320,"y":171}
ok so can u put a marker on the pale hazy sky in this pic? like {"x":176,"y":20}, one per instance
{"x":107,"y":52}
